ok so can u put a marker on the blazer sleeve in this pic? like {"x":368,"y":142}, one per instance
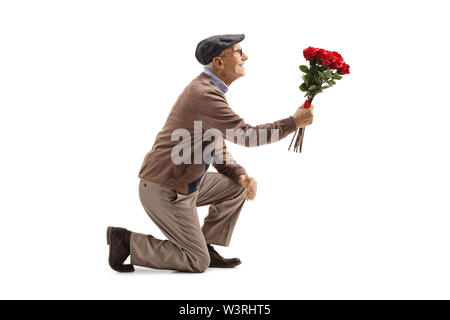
{"x":217,"y":114}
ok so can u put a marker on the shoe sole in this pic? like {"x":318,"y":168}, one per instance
{"x":227,"y":267}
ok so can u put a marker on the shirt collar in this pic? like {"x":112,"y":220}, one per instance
{"x":217,"y":81}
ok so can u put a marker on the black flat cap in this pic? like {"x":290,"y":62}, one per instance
{"x":211,"y":47}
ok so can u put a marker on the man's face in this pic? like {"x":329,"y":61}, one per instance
{"x":233,"y":62}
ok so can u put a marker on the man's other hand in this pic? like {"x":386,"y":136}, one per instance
{"x":303,"y":117}
{"x":249,"y":185}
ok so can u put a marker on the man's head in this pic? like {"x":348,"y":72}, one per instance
{"x":229,"y":65}
{"x":223,"y":55}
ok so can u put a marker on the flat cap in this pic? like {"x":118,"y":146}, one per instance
{"x":211,"y":47}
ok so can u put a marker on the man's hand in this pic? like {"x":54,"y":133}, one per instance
{"x":249,"y":185}
{"x":303,"y":117}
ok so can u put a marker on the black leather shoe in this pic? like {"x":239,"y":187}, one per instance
{"x":217,"y":261}
{"x":118,"y":240}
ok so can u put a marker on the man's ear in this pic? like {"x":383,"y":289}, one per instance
{"x":218,"y":62}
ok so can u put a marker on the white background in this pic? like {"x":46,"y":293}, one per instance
{"x":362,"y":213}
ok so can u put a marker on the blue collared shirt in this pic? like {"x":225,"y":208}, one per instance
{"x":217,"y":81}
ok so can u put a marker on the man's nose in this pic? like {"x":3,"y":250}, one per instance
{"x":244,"y":56}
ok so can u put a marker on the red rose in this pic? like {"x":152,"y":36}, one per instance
{"x":330,"y":58}
{"x":320,"y":54}
{"x":309,"y":53}
{"x":337,"y":64}
{"x":326,"y":62}
{"x":345,"y":69}
{"x":337,"y":60}
{"x":337,"y":55}
{"x":327,"y":58}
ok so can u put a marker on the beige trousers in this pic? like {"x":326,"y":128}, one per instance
{"x":176,"y":215}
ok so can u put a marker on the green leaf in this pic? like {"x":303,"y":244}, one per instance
{"x":328,"y":73}
{"x":304,"y":68}
{"x":307,"y":79}
{"x":312,"y":87}
{"x":302,"y":87}
{"x":332,"y":82}
{"x":322,"y":75}
{"x":337,"y":77}
{"x":325,"y":87}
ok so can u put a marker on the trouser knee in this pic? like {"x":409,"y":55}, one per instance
{"x":200,"y":263}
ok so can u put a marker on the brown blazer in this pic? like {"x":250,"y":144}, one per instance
{"x":201,"y":101}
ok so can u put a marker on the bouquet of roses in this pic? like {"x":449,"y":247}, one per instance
{"x":325,"y":67}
